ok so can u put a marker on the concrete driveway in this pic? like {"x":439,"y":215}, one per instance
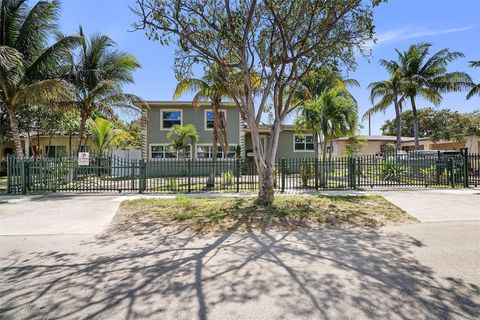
{"x":438,"y":205}
{"x":57,"y":214}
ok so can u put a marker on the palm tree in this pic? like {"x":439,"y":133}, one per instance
{"x":209,"y":88}
{"x":476,"y":87}
{"x":182,"y":138}
{"x":29,"y":70}
{"x":104,"y":135}
{"x":98,"y":73}
{"x":317,"y":83}
{"x":333,"y":114}
{"x":428,"y":78}
{"x":390,"y":92}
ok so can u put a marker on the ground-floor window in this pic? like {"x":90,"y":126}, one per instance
{"x":205,"y":152}
{"x":55,"y":151}
{"x":167,"y":152}
{"x":303,"y":143}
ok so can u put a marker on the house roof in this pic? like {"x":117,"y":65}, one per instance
{"x":377,"y":138}
{"x":186,"y":103}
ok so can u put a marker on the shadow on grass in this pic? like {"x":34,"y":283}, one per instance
{"x":153,"y":272}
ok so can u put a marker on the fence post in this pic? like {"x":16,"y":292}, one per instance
{"x":282,"y":172}
{"x":316,"y":172}
{"x":351,"y":173}
{"x":189,"y":175}
{"x":9,"y":175}
{"x":466,"y":178}
{"x":24,"y":174}
{"x":451,"y":171}
{"x":237,"y":164}
{"x":132,"y":174}
{"x":142,"y":176}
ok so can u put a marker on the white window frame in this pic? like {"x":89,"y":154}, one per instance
{"x":170,"y":110}
{"x":205,"y":118}
{"x":210,"y":145}
{"x":305,"y":143}
{"x":164,"y":159}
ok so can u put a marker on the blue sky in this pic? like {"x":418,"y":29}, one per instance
{"x":454,"y":24}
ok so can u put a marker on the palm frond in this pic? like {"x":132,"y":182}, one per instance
{"x":43,"y":93}
{"x":474,"y":91}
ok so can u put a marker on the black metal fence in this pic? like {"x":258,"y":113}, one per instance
{"x":110,"y":173}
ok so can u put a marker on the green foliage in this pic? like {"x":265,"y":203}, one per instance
{"x":437,"y":124}
{"x":387,"y":148}
{"x":30,"y":70}
{"x":475,"y":90}
{"x":391,"y":171}
{"x":172,"y":185}
{"x":228,"y":178}
{"x":182,"y":137}
{"x":354,"y":146}
{"x":104,"y":135}
{"x":307,"y":172}
{"x":132,"y":138}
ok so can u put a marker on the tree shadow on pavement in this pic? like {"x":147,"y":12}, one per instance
{"x":142,"y":270}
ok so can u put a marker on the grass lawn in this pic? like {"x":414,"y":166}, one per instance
{"x":286,"y":213}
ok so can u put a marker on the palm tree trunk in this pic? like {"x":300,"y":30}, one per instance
{"x":325,"y":144}
{"x":315,"y":144}
{"x":81,"y":130}
{"x":415,"y":123}
{"x":15,"y":131}
{"x":398,"y":125}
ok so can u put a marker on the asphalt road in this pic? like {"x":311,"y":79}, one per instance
{"x":146,"y":271}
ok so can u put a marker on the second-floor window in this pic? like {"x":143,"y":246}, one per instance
{"x":303,"y":143}
{"x":209,"y":116}
{"x":170,"y":118}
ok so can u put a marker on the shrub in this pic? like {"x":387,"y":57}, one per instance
{"x":228,"y":177}
{"x":307,"y":172}
{"x":391,"y":171}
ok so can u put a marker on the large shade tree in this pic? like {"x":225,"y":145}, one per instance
{"x":426,"y":76}
{"x":30,"y":72}
{"x":279,"y":40}
{"x":99,"y":71}
{"x":209,"y":88}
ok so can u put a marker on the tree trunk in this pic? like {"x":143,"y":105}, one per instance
{"x":315,"y":146}
{"x":415,"y":122}
{"x":398,"y":125}
{"x":81,"y":130}
{"x":15,"y":131}
{"x":213,"y":168}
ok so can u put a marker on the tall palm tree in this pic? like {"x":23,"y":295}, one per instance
{"x":475,"y":90}
{"x":209,"y":88}
{"x":182,"y":138}
{"x":29,"y":69}
{"x":99,"y":71}
{"x":389,"y":92}
{"x":426,"y":76}
{"x":315,"y":84}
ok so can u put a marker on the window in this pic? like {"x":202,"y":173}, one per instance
{"x":167,"y":152}
{"x":55,"y":151}
{"x":303,"y":143}
{"x":205,"y":152}
{"x":209,"y":116}
{"x":169,"y":118}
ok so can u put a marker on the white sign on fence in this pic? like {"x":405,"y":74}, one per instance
{"x":83,"y":158}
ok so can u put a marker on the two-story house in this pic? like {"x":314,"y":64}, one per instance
{"x":161,"y":116}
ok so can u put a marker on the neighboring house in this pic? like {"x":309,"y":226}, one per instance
{"x":44,"y":145}
{"x":372,"y":144}
{"x":162,"y":115}
{"x":470,"y":142}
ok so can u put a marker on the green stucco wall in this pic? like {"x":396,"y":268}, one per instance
{"x":285,"y":145}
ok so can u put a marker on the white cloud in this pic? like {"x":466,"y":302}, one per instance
{"x":406,"y":33}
